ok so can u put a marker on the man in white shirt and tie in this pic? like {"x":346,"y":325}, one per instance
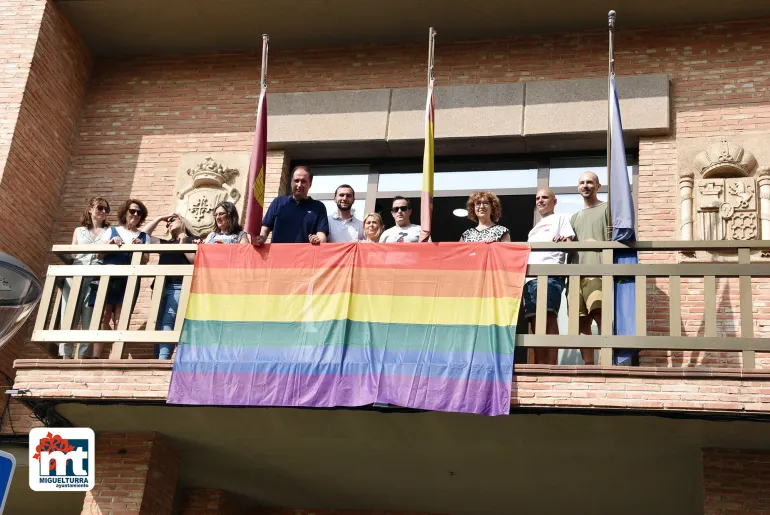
{"x":343,"y":226}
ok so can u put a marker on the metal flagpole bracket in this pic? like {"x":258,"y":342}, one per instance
{"x":265,"y":42}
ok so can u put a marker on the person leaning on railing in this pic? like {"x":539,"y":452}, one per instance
{"x":131,"y":214}
{"x":177,"y":231}
{"x":552,"y":227}
{"x":93,"y":224}
{"x":484,"y":208}
{"x":228,"y":229}
{"x":372,"y":228}
{"x":592,"y":223}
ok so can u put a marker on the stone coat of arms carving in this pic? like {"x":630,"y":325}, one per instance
{"x":719,"y":201}
{"x":203,"y":182}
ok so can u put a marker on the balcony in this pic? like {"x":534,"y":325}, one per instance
{"x":680,"y":309}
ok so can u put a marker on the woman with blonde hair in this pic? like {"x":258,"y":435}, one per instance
{"x":372,"y":228}
{"x":92,"y":226}
{"x":484,"y":208}
{"x":177,"y":231}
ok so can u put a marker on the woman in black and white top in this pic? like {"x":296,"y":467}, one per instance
{"x":485,"y":209}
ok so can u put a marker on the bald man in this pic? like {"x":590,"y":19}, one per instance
{"x":551,"y":227}
{"x":592,"y":223}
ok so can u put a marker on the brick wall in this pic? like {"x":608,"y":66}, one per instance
{"x":136,"y":474}
{"x":45,"y":74}
{"x":141,"y":114}
{"x":209,"y":501}
{"x":19,"y":26}
{"x":736,"y":482}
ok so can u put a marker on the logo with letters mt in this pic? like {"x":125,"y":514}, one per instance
{"x":61,"y":459}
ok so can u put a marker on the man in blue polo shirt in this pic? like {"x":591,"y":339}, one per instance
{"x":296,"y":218}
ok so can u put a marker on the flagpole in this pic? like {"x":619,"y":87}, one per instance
{"x":265,"y":41}
{"x":426,"y":196}
{"x":257,"y":164}
{"x":610,"y":100}
{"x":431,"y":47}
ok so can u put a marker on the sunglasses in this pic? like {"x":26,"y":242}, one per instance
{"x":103,"y":209}
{"x":403,"y":209}
{"x":135,"y":212}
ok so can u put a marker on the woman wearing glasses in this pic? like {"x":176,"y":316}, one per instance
{"x":177,"y":231}
{"x":92,"y":227}
{"x":485,"y":209}
{"x":131,"y":215}
{"x":228,"y":229}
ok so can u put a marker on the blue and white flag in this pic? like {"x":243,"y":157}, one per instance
{"x":621,"y":200}
{"x":622,"y":208}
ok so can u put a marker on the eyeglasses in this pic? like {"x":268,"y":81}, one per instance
{"x":135,"y":212}
{"x":103,"y":209}
{"x":481,"y":204}
{"x":396,"y":209}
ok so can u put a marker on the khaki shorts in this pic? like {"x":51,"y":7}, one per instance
{"x":590,"y":295}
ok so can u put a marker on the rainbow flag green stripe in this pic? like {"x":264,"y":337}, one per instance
{"x":347,"y":325}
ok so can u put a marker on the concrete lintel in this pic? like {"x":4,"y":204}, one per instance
{"x":326,"y":116}
{"x":478,"y":111}
{"x":579,"y":106}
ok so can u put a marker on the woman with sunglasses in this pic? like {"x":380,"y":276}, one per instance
{"x":485,"y":209}
{"x":131,"y":214}
{"x":92,"y":227}
{"x":228,"y":228}
{"x":177,"y":231}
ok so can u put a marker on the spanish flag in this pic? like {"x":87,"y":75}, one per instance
{"x":426,"y":203}
{"x":256,"y":199}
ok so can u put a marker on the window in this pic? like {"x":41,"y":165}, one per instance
{"x":514,"y":179}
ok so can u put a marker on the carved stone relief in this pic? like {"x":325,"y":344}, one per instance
{"x":718,"y":195}
{"x":203,"y":181}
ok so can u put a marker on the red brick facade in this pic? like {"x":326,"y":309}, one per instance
{"x":736,"y":482}
{"x":46,"y":69}
{"x":136,"y":474}
{"x":209,"y":501}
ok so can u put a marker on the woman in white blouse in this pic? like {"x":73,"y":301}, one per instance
{"x":92,"y":226}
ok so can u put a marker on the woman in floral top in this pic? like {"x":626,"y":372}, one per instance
{"x":485,"y":209}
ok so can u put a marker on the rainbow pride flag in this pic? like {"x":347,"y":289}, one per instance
{"x":420,"y":326}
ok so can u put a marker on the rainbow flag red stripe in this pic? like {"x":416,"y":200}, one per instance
{"x":419,"y":326}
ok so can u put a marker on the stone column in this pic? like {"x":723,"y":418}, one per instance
{"x":686,"y":182}
{"x":763,"y":186}
{"x":146,"y":461}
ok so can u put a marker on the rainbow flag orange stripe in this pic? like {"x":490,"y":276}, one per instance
{"x":419,"y":326}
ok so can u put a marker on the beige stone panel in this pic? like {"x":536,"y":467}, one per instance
{"x":360,"y":115}
{"x":688,"y":148}
{"x":488,"y":110}
{"x":580,"y":105}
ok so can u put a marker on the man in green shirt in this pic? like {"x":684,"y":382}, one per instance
{"x":592,"y":223}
